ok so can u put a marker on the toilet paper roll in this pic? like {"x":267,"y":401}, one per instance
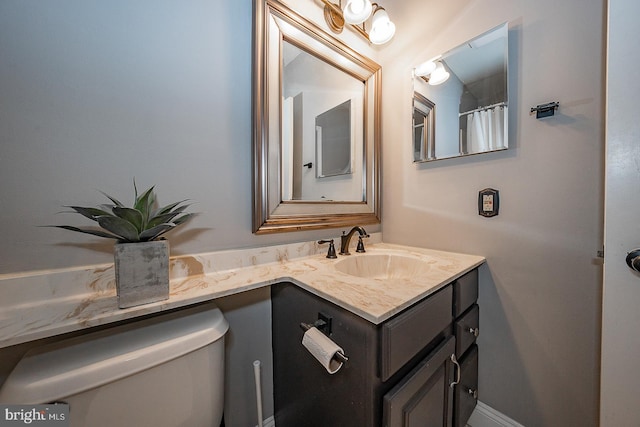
{"x":323,"y":349}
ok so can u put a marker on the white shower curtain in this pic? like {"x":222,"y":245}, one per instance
{"x":486,"y":130}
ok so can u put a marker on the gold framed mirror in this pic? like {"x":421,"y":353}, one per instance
{"x":301,"y":74}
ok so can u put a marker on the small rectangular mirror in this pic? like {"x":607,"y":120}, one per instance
{"x":333,"y":141}
{"x":468,"y":85}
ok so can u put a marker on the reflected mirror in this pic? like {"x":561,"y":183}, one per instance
{"x":333,"y":142}
{"x":423,"y":128}
{"x":316,"y":126}
{"x":468,"y":85}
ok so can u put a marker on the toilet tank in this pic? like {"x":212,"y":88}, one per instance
{"x":163,"y":371}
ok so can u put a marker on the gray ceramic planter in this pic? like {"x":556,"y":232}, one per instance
{"x":142,"y":272}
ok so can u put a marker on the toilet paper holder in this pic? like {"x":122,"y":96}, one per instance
{"x":320,"y":324}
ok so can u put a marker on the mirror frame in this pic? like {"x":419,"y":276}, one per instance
{"x":274,"y":23}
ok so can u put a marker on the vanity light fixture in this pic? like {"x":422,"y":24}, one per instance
{"x":432,"y":71}
{"x":357,"y":12}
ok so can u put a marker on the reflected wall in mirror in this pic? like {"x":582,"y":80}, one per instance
{"x":473,"y":103}
{"x":316,"y":126}
{"x":322,"y":126}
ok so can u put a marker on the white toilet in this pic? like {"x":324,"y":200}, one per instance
{"x":164,"y":371}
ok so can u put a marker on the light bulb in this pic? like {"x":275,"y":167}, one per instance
{"x":356,"y":6}
{"x":439,"y":75}
{"x":425,"y":68}
{"x":357,"y":11}
{"x":382,"y":29}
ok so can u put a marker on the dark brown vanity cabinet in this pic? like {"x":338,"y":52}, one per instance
{"x":399,"y":373}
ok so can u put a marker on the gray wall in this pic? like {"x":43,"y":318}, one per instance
{"x":96,"y":93}
{"x":540,"y":290}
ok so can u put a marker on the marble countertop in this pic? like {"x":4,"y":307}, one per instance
{"x":42,"y":304}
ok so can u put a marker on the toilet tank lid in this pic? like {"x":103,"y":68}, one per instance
{"x":54,"y":371}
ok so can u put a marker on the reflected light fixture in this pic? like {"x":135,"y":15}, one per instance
{"x":439,"y":75}
{"x":425,"y":69}
{"x":357,"y":12}
{"x":433,"y":72}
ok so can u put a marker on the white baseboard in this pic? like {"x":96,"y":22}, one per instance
{"x":269,"y":422}
{"x":486,"y":416}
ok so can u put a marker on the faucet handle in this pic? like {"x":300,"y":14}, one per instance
{"x":360,"y":247}
{"x":331,"y":253}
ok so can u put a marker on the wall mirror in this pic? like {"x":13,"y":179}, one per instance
{"x":468,"y":87}
{"x":316,"y":126}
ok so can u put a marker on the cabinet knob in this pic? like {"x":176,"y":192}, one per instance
{"x":474,"y":331}
{"x":473,"y":393}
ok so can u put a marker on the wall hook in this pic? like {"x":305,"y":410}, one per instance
{"x":545,"y":110}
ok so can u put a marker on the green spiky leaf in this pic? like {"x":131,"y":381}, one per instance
{"x":184,"y":218}
{"x":115,"y":201}
{"x":98,"y":233}
{"x":162,"y":219}
{"x":120,"y":227}
{"x":142,"y":202}
{"x":169,"y":208}
{"x":155,"y":232}
{"x":132,"y":215}
{"x":91,"y":213}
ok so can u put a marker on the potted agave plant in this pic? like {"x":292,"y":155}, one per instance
{"x":141,"y":254}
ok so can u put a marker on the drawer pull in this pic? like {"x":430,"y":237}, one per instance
{"x":474,"y":331}
{"x":455,"y":362}
{"x":473,"y":393}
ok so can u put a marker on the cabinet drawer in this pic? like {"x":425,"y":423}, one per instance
{"x":465,"y":292}
{"x":405,"y":335}
{"x":423,"y":397}
{"x":466,"y":394}
{"x":466,"y":329}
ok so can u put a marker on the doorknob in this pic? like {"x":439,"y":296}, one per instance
{"x":633,"y":259}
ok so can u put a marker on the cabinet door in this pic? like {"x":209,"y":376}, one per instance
{"x":466,"y":393}
{"x":424,"y":397}
{"x":305,"y":394}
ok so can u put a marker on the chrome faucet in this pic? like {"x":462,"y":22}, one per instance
{"x":345,"y":239}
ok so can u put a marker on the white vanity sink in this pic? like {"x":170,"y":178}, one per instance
{"x":391,"y":265}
